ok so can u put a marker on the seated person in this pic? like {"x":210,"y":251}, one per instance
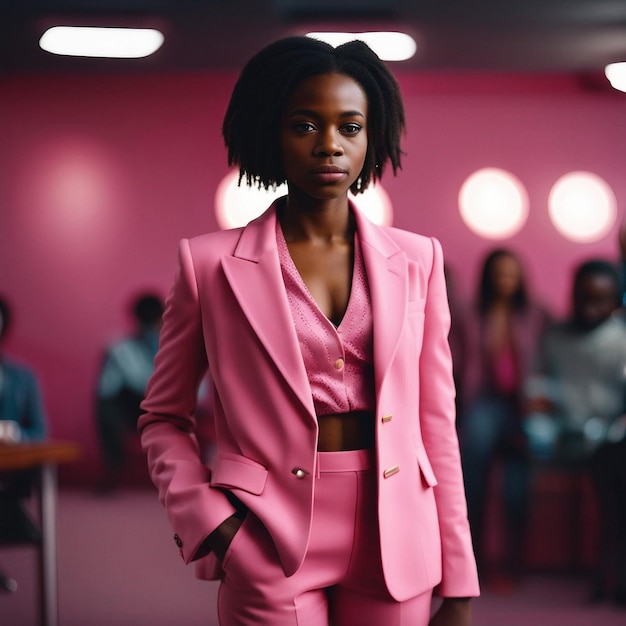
{"x":127,"y":366}
{"x":578,"y":387}
{"x":21,"y":403}
{"x":583,"y":365}
{"x":22,"y":419}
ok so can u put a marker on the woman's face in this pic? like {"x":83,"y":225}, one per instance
{"x":506,"y":276}
{"x":324,"y":136}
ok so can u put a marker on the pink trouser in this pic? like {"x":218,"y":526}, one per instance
{"x":340,"y":582}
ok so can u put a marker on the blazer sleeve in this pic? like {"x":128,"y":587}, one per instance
{"x":167,"y":427}
{"x":437,"y":417}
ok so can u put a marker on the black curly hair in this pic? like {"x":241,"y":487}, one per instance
{"x":486,"y":290}
{"x":252,"y":122}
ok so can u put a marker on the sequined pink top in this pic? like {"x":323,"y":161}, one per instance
{"x":338,"y":361}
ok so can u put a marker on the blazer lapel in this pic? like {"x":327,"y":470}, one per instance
{"x":255,"y":277}
{"x":386,"y":268}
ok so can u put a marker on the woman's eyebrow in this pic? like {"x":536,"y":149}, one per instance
{"x":312,"y":113}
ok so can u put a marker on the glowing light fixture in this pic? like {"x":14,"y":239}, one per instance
{"x":582,"y":207}
{"x":389,"y":46}
{"x":236,"y":205}
{"x":90,"y":41}
{"x":493,"y":203}
{"x":616,"y":73}
{"x":375,"y":203}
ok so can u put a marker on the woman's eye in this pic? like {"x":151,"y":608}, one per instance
{"x":351,"y":129}
{"x":304,"y":127}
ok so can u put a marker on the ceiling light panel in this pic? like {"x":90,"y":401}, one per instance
{"x":389,"y":46}
{"x":91,"y":41}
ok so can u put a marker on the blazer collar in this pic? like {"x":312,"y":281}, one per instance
{"x":387,"y":276}
{"x":259,"y":235}
{"x":255,"y":276}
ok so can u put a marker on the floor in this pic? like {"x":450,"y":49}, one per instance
{"x":118,"y":566}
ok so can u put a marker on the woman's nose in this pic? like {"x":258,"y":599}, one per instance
{"x":329,"y":144}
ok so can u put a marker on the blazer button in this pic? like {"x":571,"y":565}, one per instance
{"x":390,"y":471}
{"x":387,"y":418}
{"x":299,"y":472}
{"x":178,"y":540}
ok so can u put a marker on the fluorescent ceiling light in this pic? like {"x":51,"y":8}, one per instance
{"x":89,"y":41}
{"x":389,"y":46}
{"x":616,"y":73}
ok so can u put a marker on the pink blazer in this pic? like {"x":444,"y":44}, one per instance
{"x":228,"y":308}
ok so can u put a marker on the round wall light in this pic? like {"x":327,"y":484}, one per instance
{"x":236,"y":205}
{"x":493,"y":203}
{"x":582,"y":207}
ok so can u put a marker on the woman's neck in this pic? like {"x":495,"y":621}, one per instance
{"x":322,"y":221}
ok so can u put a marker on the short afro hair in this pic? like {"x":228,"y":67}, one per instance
{"x":147,"y":309}
{"x":252,"y":122}
{"x":599,"y":267}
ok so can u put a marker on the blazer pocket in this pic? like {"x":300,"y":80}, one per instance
{"x":234,"y":542}
{"x":231,"y":471}
{"x":425,"y":467}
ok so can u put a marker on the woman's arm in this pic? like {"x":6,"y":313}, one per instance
{"x":167,"y":428}
{"x":439,"y":435}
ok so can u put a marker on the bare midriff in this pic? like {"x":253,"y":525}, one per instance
{"x":346,"y":431}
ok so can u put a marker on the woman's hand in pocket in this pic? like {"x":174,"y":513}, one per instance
{"x":220,"y":538}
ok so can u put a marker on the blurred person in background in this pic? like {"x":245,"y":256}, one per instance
{"x":501,"y":332}
{"x":580,"y":390}
{"x":22,"y":420}
{"x":127,"y":366}
{"x":21,"y":406}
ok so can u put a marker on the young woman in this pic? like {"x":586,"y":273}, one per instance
{"x":501,"y":339}
{"x":336,"y":493}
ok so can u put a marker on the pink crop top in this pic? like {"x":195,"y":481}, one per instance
{"x":506,"y":377}
{"x":338,"y":361}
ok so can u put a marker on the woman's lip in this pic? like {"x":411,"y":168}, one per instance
{"x":329,"y":177}
{"x":329,"y":169}
{"x":329,"y":173}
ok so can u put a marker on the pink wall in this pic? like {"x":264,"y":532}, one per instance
{"x":101,"y":175}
